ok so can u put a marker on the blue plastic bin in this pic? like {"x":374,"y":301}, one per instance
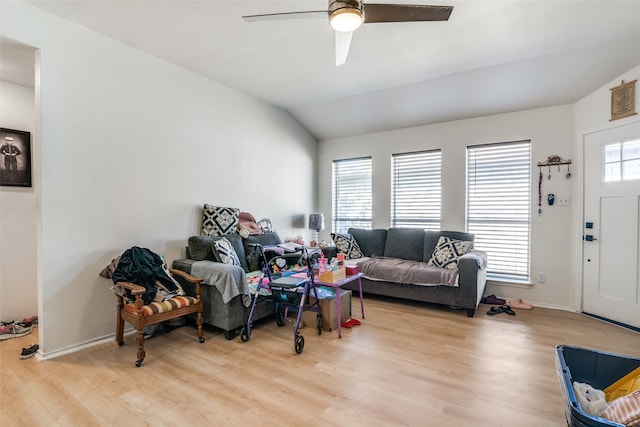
{"x":596,"y":368}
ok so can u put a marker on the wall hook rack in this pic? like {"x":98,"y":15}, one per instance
{"x":555,"y":161}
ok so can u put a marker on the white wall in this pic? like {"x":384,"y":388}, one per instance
{"x":131,"y":146}
{"x":550,"y":131}
{"x":18,"y":286}
{"x":593,"y":113}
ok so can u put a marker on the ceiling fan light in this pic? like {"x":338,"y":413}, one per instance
{"x":346,"y":19}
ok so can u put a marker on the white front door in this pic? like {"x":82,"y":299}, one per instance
{"x":611,"y":287}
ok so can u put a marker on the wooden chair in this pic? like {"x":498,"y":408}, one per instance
{"x":141,"y":315}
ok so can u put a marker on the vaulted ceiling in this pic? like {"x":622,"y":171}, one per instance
{"x":490,"y":57}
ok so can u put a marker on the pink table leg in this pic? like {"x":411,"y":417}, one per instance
{"x":339,"y":312}
{"x":360,"y":290}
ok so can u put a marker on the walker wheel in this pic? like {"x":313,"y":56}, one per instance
{"x":299,"y":344}
{"x":319,"y":325}
{"x":244,"y":334}
{"x":280,"y":318}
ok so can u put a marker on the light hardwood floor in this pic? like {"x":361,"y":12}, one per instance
{"x":407,"y":365}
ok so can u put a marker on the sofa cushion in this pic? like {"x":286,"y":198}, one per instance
{"x":431,"y":240}
{"x":225,"y":252}
{"x":201,"y":248}
{"x":347,"y":245}
{"x":405,"y":243}
{"x":448,"y":251}
{"x":217,"y":221}
{"x":371,"y":242}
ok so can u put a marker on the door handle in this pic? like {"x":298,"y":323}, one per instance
{"x":589,"y":238}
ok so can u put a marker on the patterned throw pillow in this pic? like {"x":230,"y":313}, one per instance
{"x":447,"y":252}
{"x":225,"y":252}
{"x":347,"y":245}
{"x":217,"y":221}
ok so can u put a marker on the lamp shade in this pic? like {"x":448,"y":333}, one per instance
{"x":316,"y":222}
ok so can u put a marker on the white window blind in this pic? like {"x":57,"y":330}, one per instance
{"x":416,"y":189}
{"x":499,"y":206}
{"x":351,"y":194}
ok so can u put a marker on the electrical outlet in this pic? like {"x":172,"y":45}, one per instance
{"x":563,"y":200}
{"x":540,"y":277}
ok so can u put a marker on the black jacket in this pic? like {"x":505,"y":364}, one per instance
{"x":143,"y":267}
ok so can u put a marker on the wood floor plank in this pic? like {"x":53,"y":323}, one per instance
{"x":408,"y":364}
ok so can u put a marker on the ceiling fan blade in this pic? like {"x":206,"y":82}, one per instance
{"x":343,"y":42}
{"x":378,"y":12}
{"x":312,"y":14}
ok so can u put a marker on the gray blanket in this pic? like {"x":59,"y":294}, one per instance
{"x":398,"y":270}
{"x":230,"y":280}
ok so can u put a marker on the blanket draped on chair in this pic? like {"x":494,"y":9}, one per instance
{"x":230,"y":280}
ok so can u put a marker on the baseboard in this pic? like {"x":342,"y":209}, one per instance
{"x":613,"y":322}
{"x":81,"y":346}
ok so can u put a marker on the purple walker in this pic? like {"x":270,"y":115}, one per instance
{"x":286,"y":292}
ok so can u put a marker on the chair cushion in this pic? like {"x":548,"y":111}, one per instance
{"x":163,"y":306}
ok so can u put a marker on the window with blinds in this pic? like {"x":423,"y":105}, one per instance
{"x":416,"y":189}
{"x":499,"y":206}
{"x":352,"y":194}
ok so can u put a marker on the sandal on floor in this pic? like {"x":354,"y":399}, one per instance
{"x":495,"y":310}
{"x":518,"y":303}
{"x":508,"y":310}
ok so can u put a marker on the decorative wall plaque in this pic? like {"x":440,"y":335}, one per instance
{"x":623,"y":100}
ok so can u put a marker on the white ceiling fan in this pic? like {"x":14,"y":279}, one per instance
{"x":348,"y":15}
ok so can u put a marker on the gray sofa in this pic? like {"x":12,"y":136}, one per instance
{"x":417,"y":246}
{"x":230,"y":316}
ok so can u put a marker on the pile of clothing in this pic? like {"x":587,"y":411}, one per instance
{"x":620,"y":402}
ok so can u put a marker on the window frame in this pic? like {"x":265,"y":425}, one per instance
{"x":416,"y":189}
{"x":359,"y":190}
{"x":498,"y":212}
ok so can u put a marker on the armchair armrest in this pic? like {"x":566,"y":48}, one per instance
{"x":186,"y":276}
{"x":196,"y":281}
{"x":135,"y":289}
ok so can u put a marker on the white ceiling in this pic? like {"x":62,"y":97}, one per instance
{"x":490,"y":57}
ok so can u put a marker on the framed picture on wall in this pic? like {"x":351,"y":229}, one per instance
{"x":15,"y":158}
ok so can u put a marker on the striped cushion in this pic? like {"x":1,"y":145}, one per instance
{"x":163,"y":306}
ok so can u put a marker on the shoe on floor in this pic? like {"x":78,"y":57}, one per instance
{"x":507,"y":309}
{"x":495,"y":310}
{"x":5,"y":327}
{"x":29,"y":352}
{"x":518,"y":303}
{"x":351,"y":322}
{"x":32,"y":320}
{"x":493,"y":300}
{"x":15,"y":330}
